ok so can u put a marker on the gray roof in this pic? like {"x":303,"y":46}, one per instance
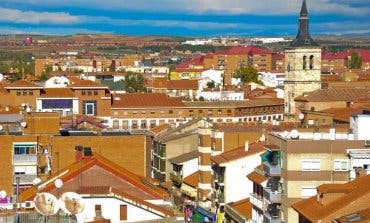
{"x":10,"y":118}
{"x":184,"y":157}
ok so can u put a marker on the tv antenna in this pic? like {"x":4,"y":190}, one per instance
{"x":46,"y":204}
{"x":72,"y":204}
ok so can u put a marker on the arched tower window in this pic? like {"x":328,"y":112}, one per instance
{"x":304,"y":62}
{"x":311,"y":62}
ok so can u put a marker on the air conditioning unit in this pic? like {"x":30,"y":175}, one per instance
{"x":16,"y":205}
{"x":28,"y":204}
{"x":367,"y":143}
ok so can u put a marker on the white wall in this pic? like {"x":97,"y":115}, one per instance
{"x":110,"y":208}
{"x":360,"y":126}
{"x":237,"y":185}
{"x":189,"y":167}
{"x":57,"y":82}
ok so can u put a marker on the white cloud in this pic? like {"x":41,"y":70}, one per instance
{"x":257,"y":7}
{"x":32,"y":17}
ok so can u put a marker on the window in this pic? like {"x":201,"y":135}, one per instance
{"x":308,"y":191}
{"x":143,"y":112}
{"x":83,"y":92}
{"x":152,"y":112}
{"x":191,"y":112}
{"x":89,"y":93}
{"x":210,"y":112}
{"x":311,"y":165}
{"x":24,"y":149}
{"x":340,"y":165}
{"x":200,"y":111}
{"x":311,"y":62}
{"x":18,"y":93}
{"x":89,"y":107}
{"x":96,"y":92}
{"x":24,"y":93}
{"x":170,"y":111}
{"x":30,"y":92}
{"x":304,"y":62}
{"x":123,"y":212}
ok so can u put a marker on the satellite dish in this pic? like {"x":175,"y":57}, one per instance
{"x":1,"y":128}
{"x":46,"y":204}
{"x":2,"y":194}
{"x":294,"y":134}
{"x":72,"y":203}
{"x":28,"y":109}
{"x":24,"y":124}
{"x":301,"y":116}
{"x":58,"y":183}
{"x":36,"y":181}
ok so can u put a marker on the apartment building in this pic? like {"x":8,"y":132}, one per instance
{"x":294,"y":165}
{"x":86,"y":65}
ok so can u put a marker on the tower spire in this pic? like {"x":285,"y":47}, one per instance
{"x":303,"y":37}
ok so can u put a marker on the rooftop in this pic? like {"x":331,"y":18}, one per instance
{"x":335,"y":94}
{"x":239,"y":153}
{"x":192,"y":180}
{"x":315,"y":210}
{"x":142,"y":100}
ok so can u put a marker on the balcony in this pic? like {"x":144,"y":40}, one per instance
{"x":257,"y":201}
{"x":26,"y":158}
{"x":274,"y":218}
{"x":219,"y":179}
{"x":24,"y":178}
{"x":176,"y":177}
{"x":272,"y":196}
{"x":272,"y":170}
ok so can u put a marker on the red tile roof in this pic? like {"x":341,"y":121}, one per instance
{"x":335,"y":56}
{"x":57,"y":93}
{"x":22,"y":84}
{"x":334,"y":94}
{"x":355,"y":190}
{"x":192,"y":180}
{"x":256,"y":177}
{"x":136,"y":183}
{"x":141,"y":100}
{"x":239,"y":153}
{"x":243,"y":207}
{"x":183,"y":84}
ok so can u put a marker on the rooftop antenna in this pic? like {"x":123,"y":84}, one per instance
{"x":46,"y":204}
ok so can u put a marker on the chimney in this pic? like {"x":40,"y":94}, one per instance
{"x":78,"y":152}
{"x":246,"y":145}
{"x":87,"y":153}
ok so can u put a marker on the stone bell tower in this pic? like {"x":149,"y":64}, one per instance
{"x":303,"y":65}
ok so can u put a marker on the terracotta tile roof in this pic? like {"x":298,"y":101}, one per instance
{"x":192,"y":180}
{"x":239,"y":153}
{"x":272,"y":147}
{"x":137,"y":183}
{"x":57,"y":93}
{"x":197,"y":61}
{"x":83,"y":119}
{"x":160,"y":128}
{"x":22,"y":84}
{"x":335,"y":94}
{"x":8,"y":110}
{"x":363,"y":216}
{"x":256,"y":177}
{"x":76,"y":82}
{"x":234,"y":104}
{"x":354,"y":190}
{"x":100,"y":221}
{"x":183,"y":84}
{"x":342,"y":114}
{"x":243,"y":207}
{"x":141,"y":100}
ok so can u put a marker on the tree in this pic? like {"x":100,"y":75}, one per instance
{"x":247,"y":74}
{"x":46,"y":73}
{"x":211,"y":84}
{"x":134,"y":83}
{"x":355,"y":62}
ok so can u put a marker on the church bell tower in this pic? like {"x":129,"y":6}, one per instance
{"x":303,"y":65}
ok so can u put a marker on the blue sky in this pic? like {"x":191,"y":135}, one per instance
{"x":183,"y":17}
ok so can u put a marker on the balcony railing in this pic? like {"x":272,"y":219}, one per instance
{"x":271,"y":218}
{"x":176,"y":177}
{"x":272,"y":196}
{"x":234,"y":214}
{"x":257,"y":201}
{"x":219,"y":179}
{"x":272,"y":170}
{"x":24,"y":178}
{"x":26,"y":158}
